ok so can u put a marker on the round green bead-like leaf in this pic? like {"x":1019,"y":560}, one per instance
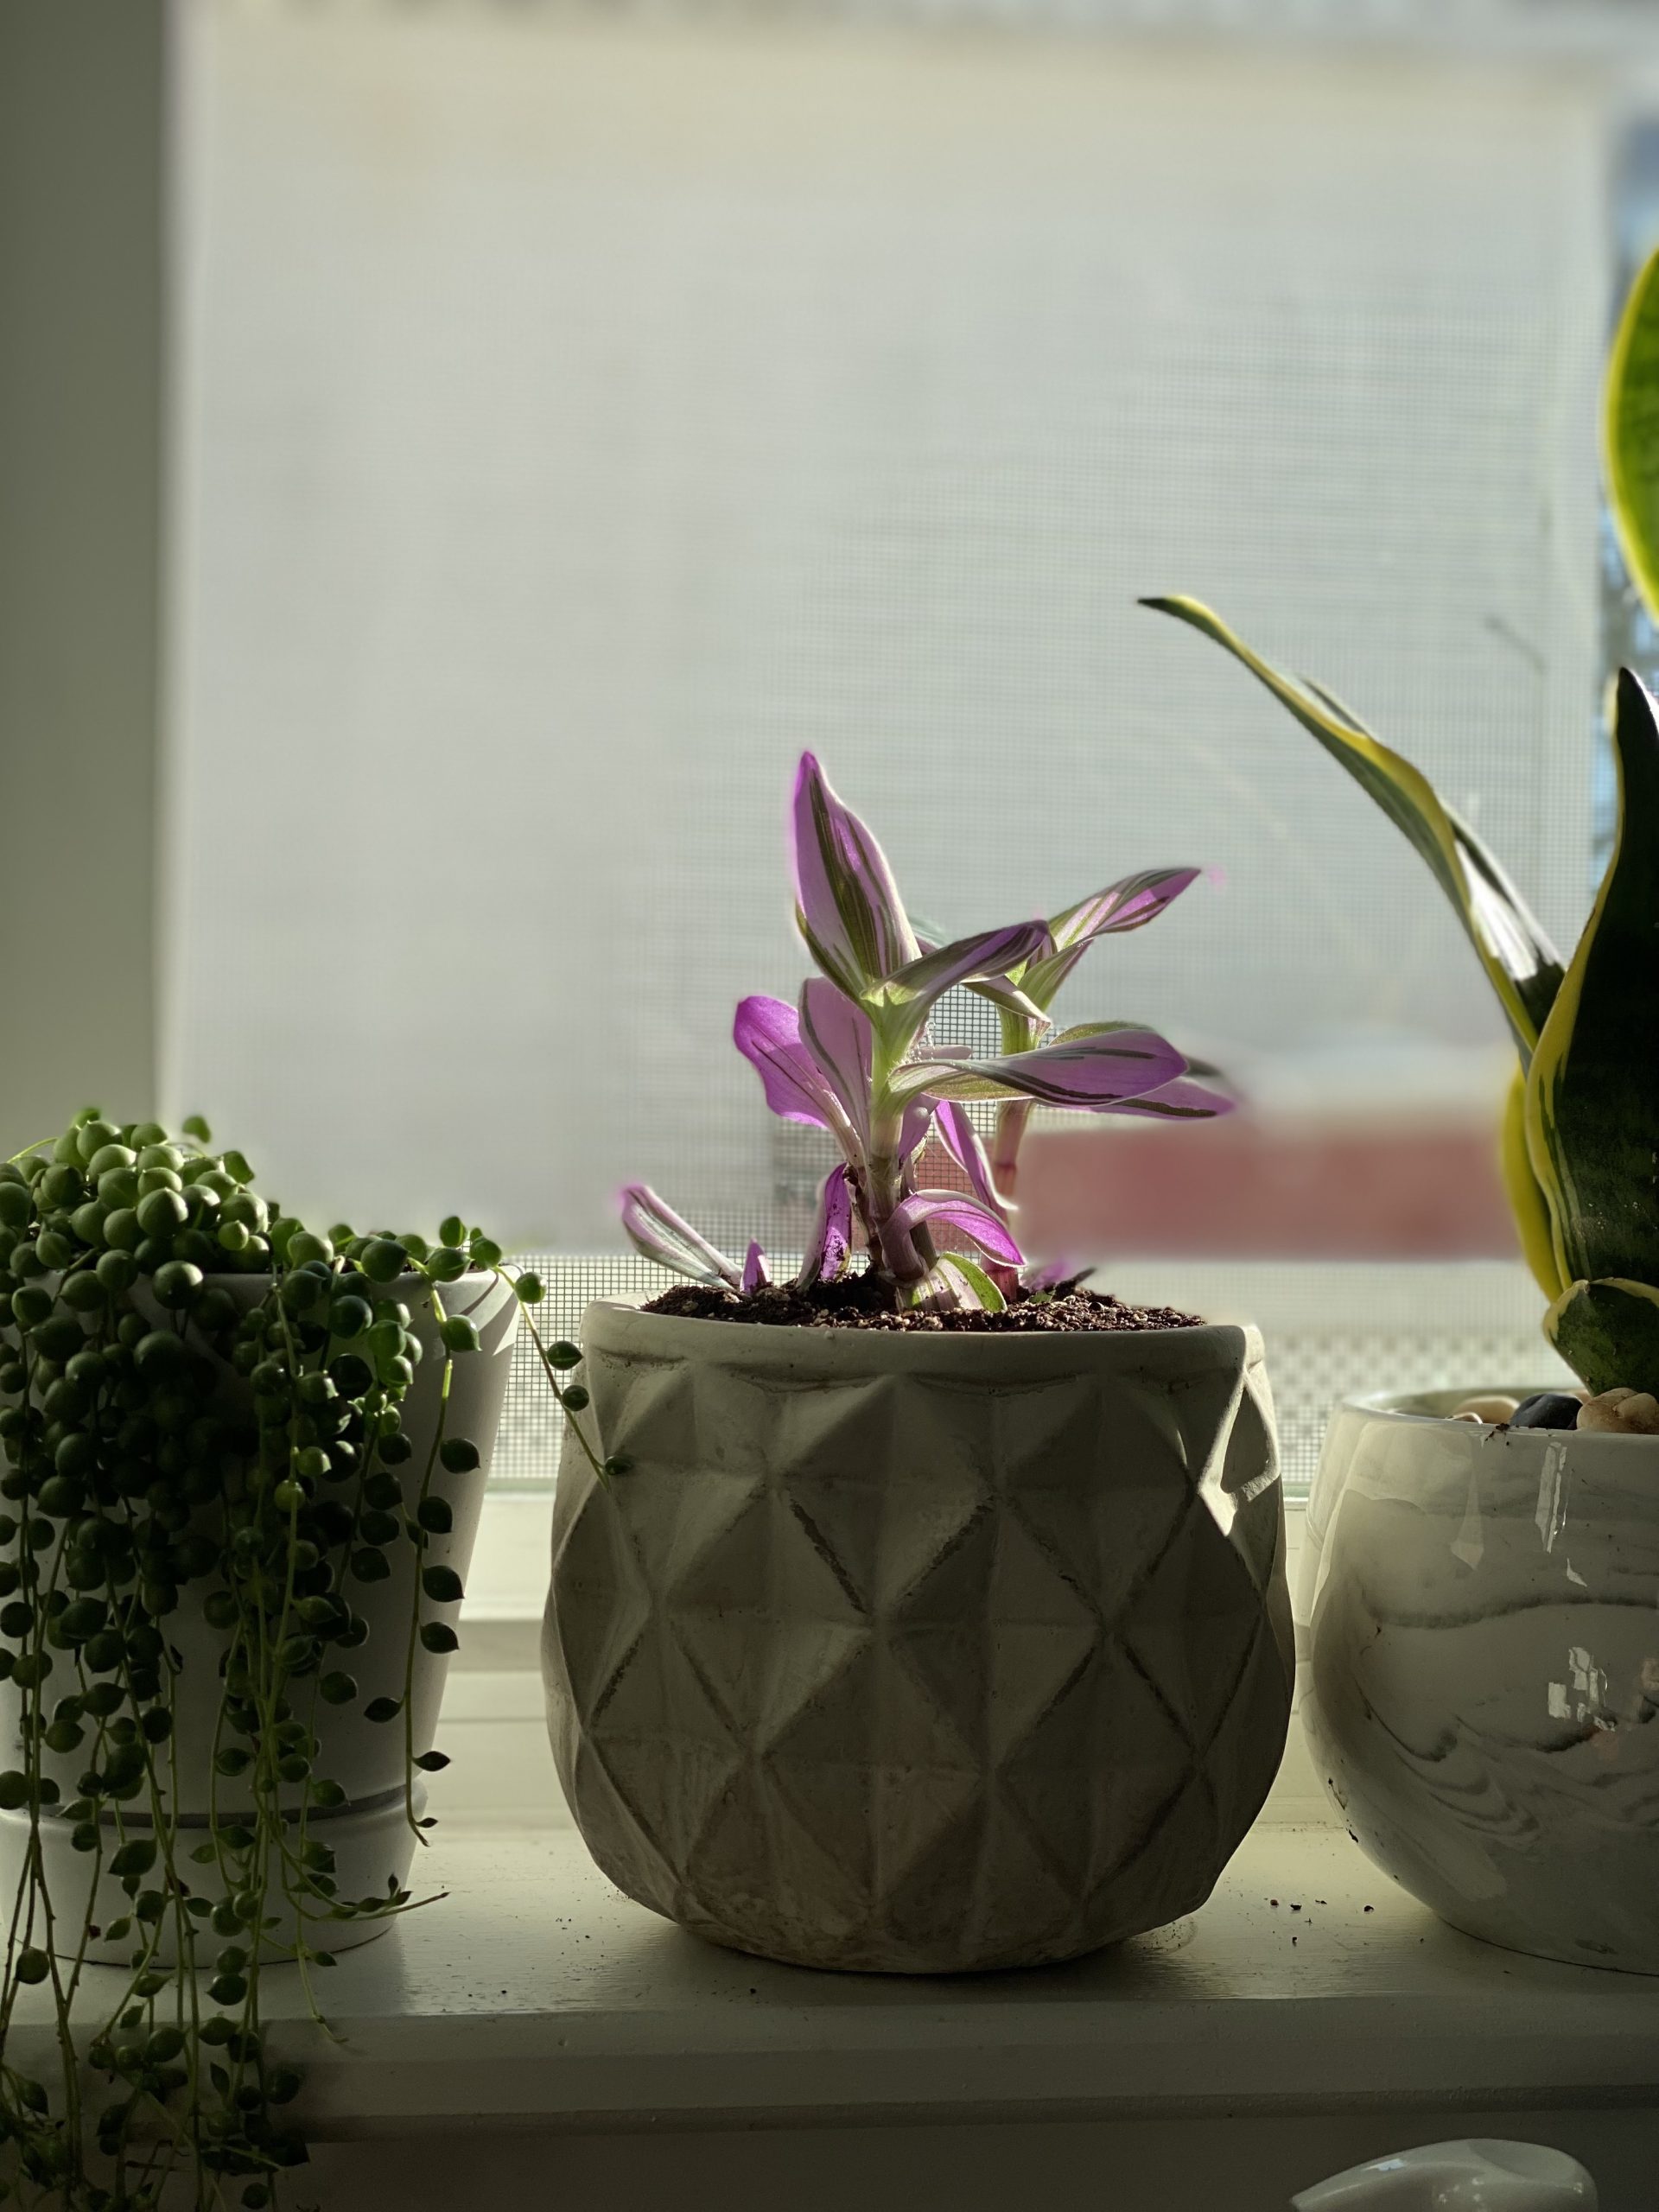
{"x":84,"y":1291}
{"x":176,"y":1284}
{"x":158,"y":1353}
{"x":160,"y":1213}
{"x":116,"y":1271}
{"x":442,"y":1585}
{"x":382,"y":1259}
{"x":348,"y":1317}
{"x":438,"y":1637}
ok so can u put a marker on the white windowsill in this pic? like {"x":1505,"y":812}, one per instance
{"x":535,"y":1992}
{"x":1310,"y":2015}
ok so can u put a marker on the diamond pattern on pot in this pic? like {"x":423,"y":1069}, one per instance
{"x":912,"y":1661}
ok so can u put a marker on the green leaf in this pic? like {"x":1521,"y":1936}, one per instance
{"x":1592,"y":1103}
{"x":974,"y":1278}
{"x":1521,"y":966}
{"x":1631,"y":434}
{"x":1528,"y":1202}
{"x":1608,"y":1333}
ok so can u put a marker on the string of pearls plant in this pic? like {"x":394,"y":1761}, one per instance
{"x":202,"y":1414}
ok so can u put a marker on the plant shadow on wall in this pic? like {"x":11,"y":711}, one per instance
{"x":1478,"y":1581}
{"x":933,"y":1617}
{"x":243,"y":1468}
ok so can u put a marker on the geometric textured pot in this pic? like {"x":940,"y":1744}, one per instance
{"x":919,"y":1652}
{"x":1480,"y":1610}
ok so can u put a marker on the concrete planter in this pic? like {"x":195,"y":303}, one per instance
{"x":370,"y":1834}
{"x":919,"y":1653}
{"x":1479,"y":1610}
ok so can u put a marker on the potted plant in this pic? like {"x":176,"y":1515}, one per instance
{"x":243,"y":1468}
{"x":1482,"y":1571}
{"x":930,"y":1614}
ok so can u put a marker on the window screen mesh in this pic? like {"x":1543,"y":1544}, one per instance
{"x":577,"y":420}
{"x":1331,"y":1333}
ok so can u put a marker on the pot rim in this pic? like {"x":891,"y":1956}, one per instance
{"x":1397,"y":1406}
{"x":965,"y":1351}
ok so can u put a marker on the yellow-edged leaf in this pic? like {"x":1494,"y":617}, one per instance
{"x":1592,"y":1088}
{"x":1520,"y":963}
{"x":1631,"y":434}
{"x":1526,"y":1196}
{"x":1608,"y":1333}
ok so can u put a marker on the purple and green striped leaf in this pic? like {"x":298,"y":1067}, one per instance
{"x":847,"y":904}
{"x":767,"y":1032}
{"x":901,"y":1004}
{"x":952,"y":1209}
{"x":1130,"y":904}
{"x":829,"y":1240}
{"x":1085,"y":1074}
{"x":656,"y":1229}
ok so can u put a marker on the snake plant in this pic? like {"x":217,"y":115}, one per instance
{"x":1580,"y":1133}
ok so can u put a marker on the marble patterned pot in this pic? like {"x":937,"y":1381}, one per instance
{"x":1479,"y":1609}
{"x":914,"y":1653}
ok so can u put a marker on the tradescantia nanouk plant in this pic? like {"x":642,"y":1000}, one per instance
{"x":855,"y":1057}
{"x":1580,"y":1139}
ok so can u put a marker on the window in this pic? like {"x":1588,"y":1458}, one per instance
{"x":576,"y":414}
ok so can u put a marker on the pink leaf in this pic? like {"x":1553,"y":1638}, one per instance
{"x":767,"y":1032}
{"x":847,"y":904}
{"x":838,"y":1036}
{"x":830,"y":1242}
{"x":952,"y":1210}
{"x":657,"y":1230}
{"x":962,"y":1141}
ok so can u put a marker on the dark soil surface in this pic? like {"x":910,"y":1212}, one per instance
{"x":860,"y":1302}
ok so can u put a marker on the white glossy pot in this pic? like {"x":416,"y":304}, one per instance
{"x":1467,"y":2177}
{"x":1478,"y":1611}
{"x":915,"y":1653}
{"x":370,"y":1834}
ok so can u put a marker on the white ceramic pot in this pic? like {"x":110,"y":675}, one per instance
{"x":1479,"y":1615}
{"x":915,"y":1653}
{"x":370,"y":1834}
{"x":1479,"y":2176}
